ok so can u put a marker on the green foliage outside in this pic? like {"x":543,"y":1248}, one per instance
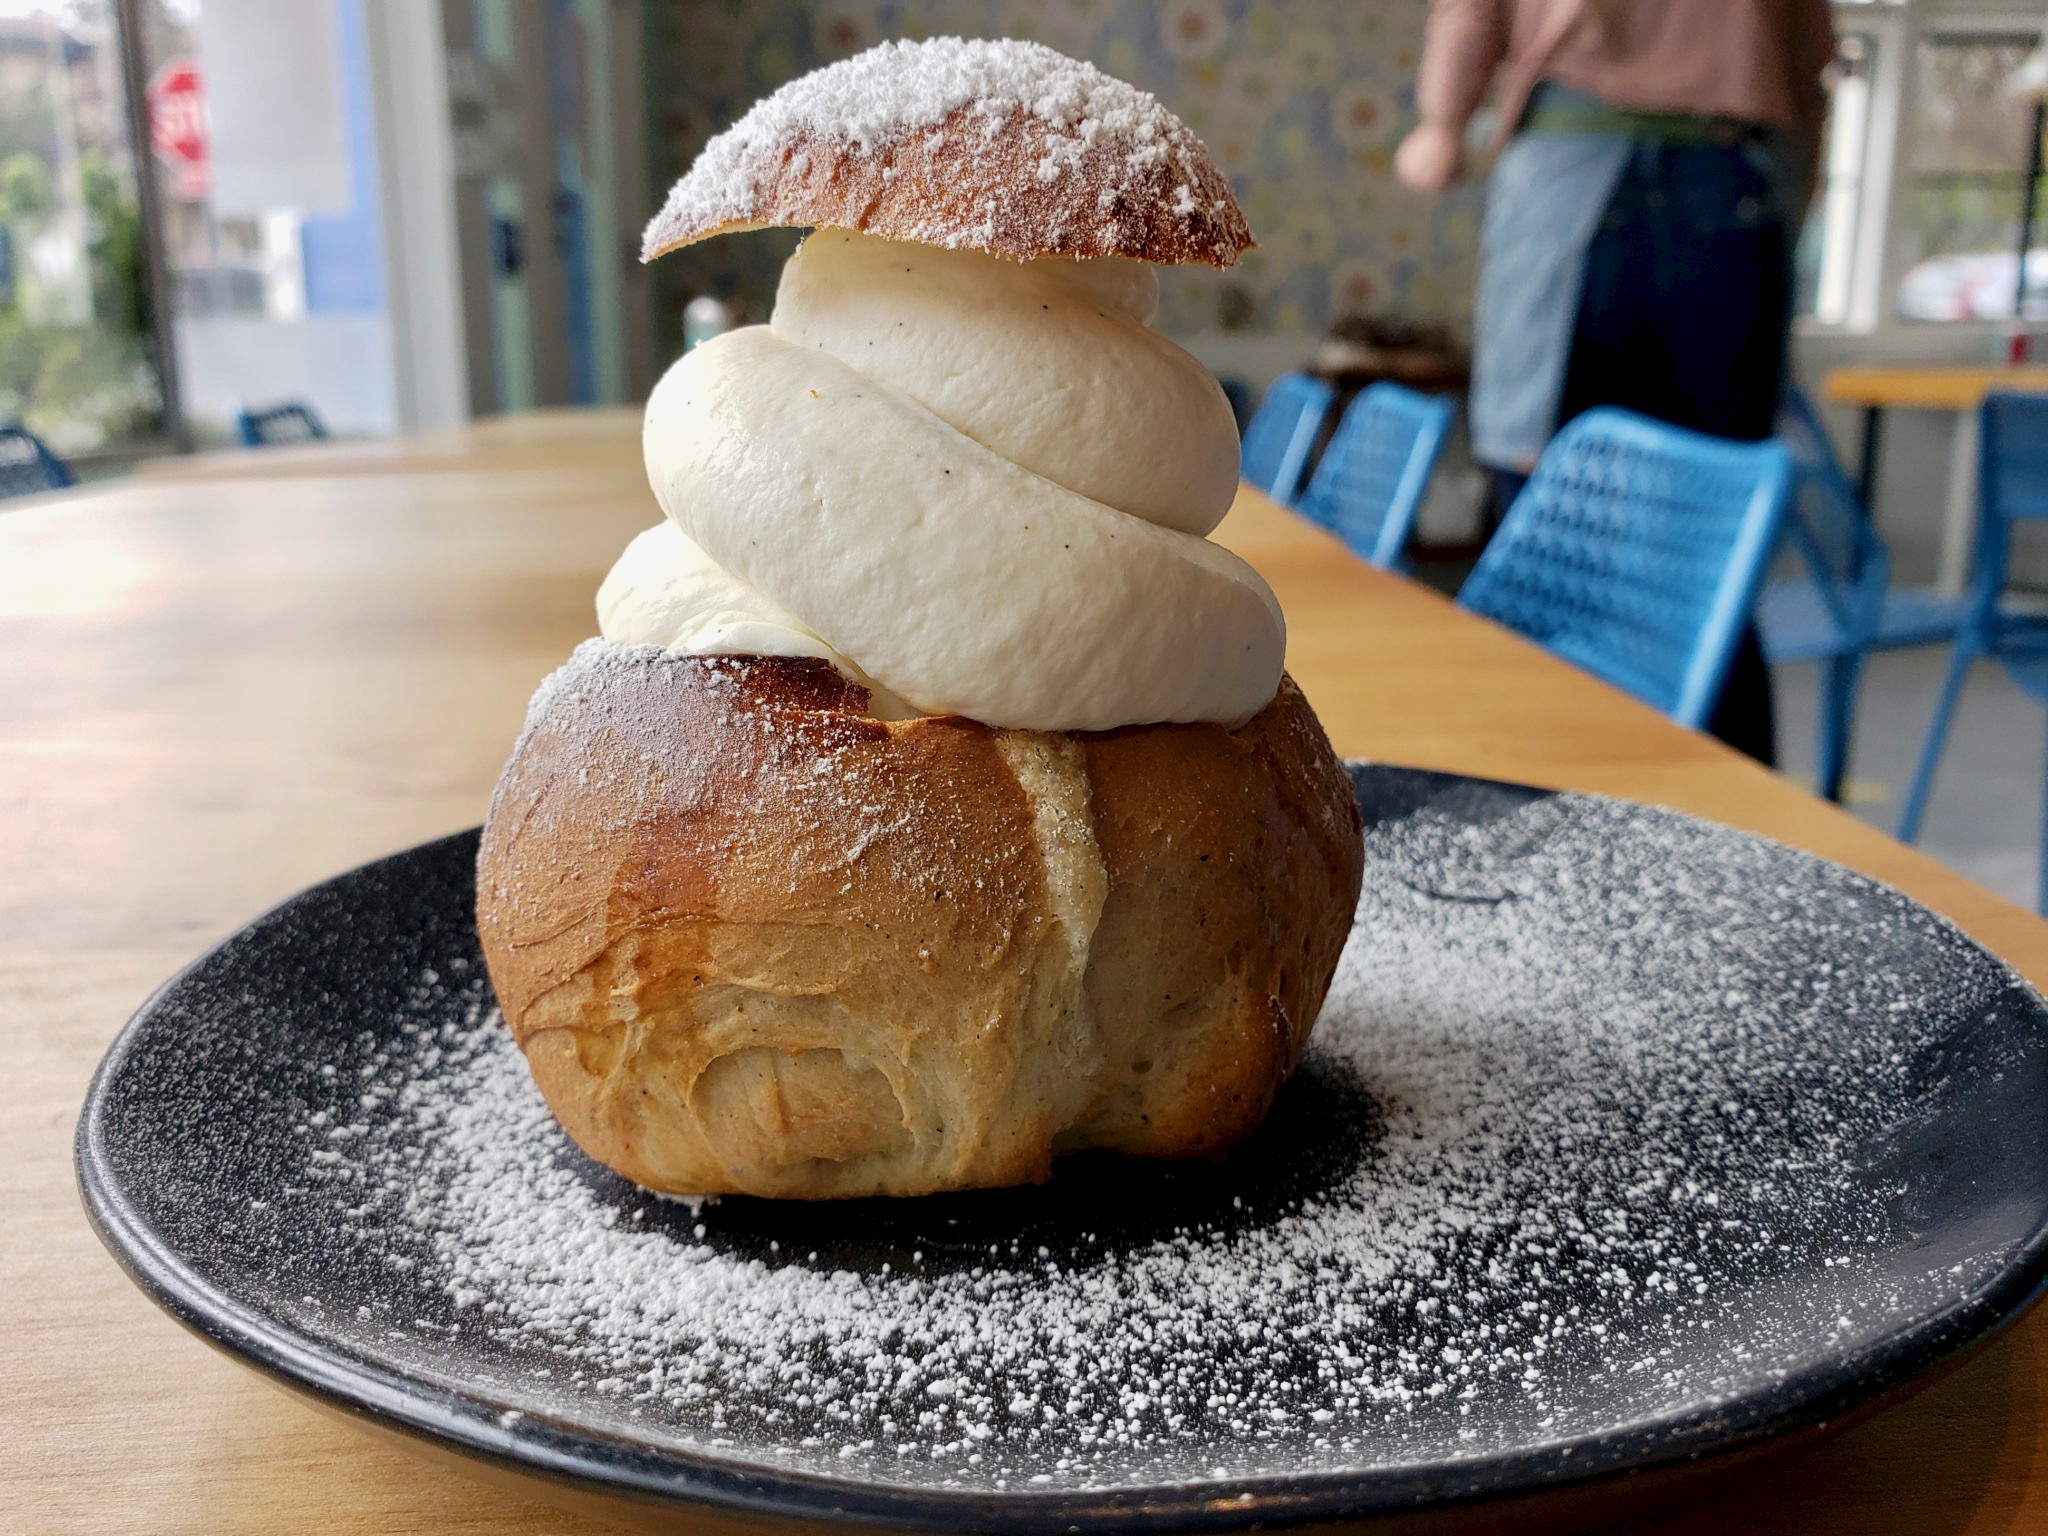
{"x":74,"y":365}
{"x":1967,"y":149}
{"x":1962,"y":213}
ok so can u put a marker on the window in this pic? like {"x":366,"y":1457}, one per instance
{"x":271,"y":223}
{"x":1916,"y":216}
{"x":1958,"y":216}
{"x":76,"y":362}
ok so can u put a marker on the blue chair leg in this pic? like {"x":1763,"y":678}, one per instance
{"x":1937,"y":737}
{"x":1839,"y":676}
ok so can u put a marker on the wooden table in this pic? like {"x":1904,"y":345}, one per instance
{"x":215,"y":690}
{"x":1960,"y":390}
{"x":558,"y":438}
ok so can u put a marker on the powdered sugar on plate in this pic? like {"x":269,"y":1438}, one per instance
{"x":1584,"y":1141}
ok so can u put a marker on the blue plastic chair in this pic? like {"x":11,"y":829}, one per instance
{"x":292,"y":422}
{"x":2012,"y":487}
{"x":1282,"y":433}
{"x":1373,"y":476}
{"x":1844,"y":607}
{"x":27,"y":465}
{"x":1635,"y":551}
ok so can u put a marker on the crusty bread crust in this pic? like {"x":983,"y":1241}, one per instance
{"x":754,"y":941}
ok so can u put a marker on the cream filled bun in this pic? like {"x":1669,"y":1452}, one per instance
{"x":933,"y":801}
{"x":753,"y":940}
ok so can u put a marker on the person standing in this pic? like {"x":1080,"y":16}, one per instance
{"x":1657,"y":159}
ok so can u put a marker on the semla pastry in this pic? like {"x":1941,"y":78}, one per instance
{"x":934,"y":802}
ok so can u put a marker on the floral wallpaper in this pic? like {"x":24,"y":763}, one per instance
{"x":1300,"y":101}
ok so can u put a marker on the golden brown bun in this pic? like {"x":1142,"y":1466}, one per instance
{"x":1095,"y":168}
{"x":753,"y":941}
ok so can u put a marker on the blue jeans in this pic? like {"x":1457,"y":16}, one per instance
{"x":1683,"y":316}
{"x":1683,"y":311}
{"x":1687,"y":294}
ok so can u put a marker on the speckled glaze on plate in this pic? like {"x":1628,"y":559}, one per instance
{"x":1624,"y":1138}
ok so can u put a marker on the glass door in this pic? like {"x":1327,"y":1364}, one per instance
{"x":546,"y":99}
{"x":268,"y":204}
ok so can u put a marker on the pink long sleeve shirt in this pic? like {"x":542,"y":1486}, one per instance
{"x":1757,"y":61}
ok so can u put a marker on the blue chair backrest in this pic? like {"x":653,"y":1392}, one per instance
{"x":1828,"y":526}
{"x":1373,"y":476}
{"x":2012,"y":486}
{"x":27,"y":465}
{"x":1283,"y":430}
{"x":292,"y":422}
{"x":1635,"y":551}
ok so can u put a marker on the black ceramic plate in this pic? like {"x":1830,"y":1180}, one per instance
{"x":1625,"y":1137}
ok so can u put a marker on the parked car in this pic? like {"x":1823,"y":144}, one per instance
{"x":1973,"y":287}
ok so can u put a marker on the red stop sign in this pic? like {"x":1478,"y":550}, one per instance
{"x":177,"y":127}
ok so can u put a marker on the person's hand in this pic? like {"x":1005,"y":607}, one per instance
{"x":1431,"y":157}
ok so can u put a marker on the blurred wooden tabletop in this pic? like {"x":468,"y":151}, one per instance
{"x":1927,"y":388}
{"x":219,"y":684}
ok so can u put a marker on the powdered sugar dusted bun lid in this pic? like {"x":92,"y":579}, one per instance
{"x":999,"y":146}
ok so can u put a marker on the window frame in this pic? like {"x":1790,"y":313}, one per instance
{"x":1879,"y":261}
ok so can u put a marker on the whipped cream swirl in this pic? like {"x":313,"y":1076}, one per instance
{"x":978,"y":487}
